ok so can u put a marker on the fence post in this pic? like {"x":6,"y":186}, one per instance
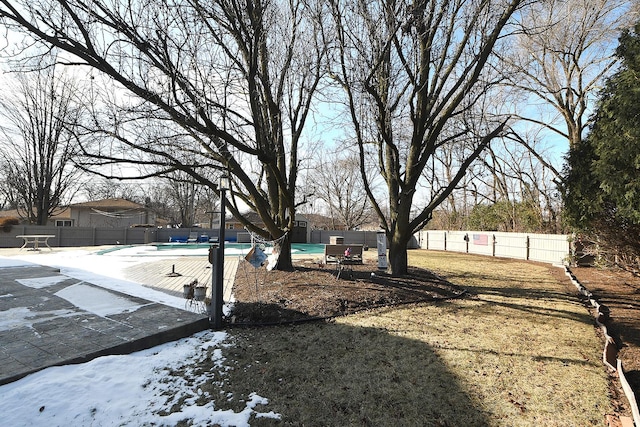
{"x":493,"y":244}
{"x":445,"y":240}
{"x":528,"y":243}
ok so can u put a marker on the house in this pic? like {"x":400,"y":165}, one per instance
{"x":113,"y":213}
{"x":60,"y":218}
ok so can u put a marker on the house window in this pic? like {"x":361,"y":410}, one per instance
{"x":63,"y":223}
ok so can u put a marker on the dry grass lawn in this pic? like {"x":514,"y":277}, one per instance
{"x":520,"y":350}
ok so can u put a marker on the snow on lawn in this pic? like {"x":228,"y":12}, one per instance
{"x":135,"y":389}
{"x":127,"y":390}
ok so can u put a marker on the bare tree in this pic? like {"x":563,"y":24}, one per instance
{"x":517,"y":179}
{"x":224,"y":85}
{"x":183,"y":194}
{"x":100,"y":188}
{"x":186,"y":201}
{"x":506,"y":175}
{"x":415,"y":75}
{"x":339,"y":186}
{"x":554,"y":65}
{"x":39,"y":142}
{"x":555,"y":68}
{"x":559,"y":58}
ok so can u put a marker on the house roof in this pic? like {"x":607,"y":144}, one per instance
{"x":116,"y":203}
{"x":9,"y":213}
{"x":319,"y":221}
{"x":254,"y":218}
{"x":59,"y":213}
{"x":64,"y":212}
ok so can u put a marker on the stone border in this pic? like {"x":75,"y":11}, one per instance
{"x":610,"y":351}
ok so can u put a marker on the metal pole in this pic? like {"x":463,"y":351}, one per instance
{"x":219,"y":285}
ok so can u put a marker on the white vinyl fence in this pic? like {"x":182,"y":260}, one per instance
{"x":550,"y":248}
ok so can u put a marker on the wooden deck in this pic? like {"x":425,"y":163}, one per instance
{"x":156,"y":274}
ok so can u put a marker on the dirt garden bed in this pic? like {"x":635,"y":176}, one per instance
{"x":315,"y":291}
{"x":620,"y":291}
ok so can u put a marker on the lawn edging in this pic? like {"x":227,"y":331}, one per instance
{"x":610,"y":352}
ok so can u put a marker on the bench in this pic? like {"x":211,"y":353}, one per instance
{"x":335,"y":253}
{"x":35,"y":240}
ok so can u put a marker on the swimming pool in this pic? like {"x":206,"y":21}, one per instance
{"x":202,"y":249}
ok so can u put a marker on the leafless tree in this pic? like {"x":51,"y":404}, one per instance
{"x":559,"y":58}
{"x":224,"y":85}
{"x":517,"y":177}
{"x":100,"y":188}
{"x":185,"y":201}
{"x":554,"y":66}
{"x":415,"y":73}
{"x":506,"y":174}
{"x":339,"y":185}
{"x":39,"y":142}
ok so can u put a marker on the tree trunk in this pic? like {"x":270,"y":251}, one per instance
{"x":285,"y":262}
{"x":398,"y":241}
{"x":398,"y":264}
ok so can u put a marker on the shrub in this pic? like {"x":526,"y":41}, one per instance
{"x":8,"y":222}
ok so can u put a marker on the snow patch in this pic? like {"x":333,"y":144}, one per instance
{"x":14,"y":262}
{"x":97,"y":301}
{"x":24,"y":317}
{"x":135,"y":389}
{"x":42,"y":282}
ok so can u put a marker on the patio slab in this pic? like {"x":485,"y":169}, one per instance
{"x":49,"y":319}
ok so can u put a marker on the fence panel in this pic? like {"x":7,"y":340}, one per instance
{"x":511,"y":245}
{"x":456,"y":241}
{"x":481,"y":242}
{"x":350,"y":237}
{"x":433,"y":239}
{"x":549,"y":248}
{"x":79,"y":236}
{"x":96,"y":236}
